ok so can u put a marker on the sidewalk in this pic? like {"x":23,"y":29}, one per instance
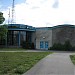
{"x":53,"y":64}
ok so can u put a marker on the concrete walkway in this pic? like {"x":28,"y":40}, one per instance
{"x":53,"y":64}
{"x":39,"y":51}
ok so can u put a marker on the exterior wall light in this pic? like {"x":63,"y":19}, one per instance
{"x":43,"y":37}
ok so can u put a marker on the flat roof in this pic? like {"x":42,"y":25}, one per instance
{"x":58,"y":26}
{"x":31,"y":28}
{"x":21,"y":27}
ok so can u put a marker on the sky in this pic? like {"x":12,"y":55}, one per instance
{"x":40,"y":13}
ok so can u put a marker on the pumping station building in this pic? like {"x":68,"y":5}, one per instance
{"x":42,"y":37}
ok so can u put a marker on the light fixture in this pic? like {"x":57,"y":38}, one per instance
{"x":43,"y":37}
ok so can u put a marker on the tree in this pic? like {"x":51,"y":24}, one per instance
{"x":3,"y":34}
{"x":2,"y":19}
{"x":3,"y":30}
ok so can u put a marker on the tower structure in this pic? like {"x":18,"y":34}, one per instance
{"x":13,"y":13}
{"x":9,"y":17}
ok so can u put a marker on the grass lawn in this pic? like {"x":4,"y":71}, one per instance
{"x":12,"y":49}
{"x":17,"y":63}
{"x":73,"y":58}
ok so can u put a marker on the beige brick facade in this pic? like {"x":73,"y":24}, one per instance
{"x":44,"y":35}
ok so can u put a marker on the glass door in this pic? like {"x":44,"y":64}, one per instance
{"x":41,"y":44}
{"x":46,"y":44}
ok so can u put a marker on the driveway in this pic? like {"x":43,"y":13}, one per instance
{"x":53,"y":64}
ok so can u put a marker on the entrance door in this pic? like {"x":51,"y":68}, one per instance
{"x":46,"y":44}
{"x":41,"y":44}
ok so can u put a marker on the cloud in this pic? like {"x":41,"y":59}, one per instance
{"x":56,"y":4}
{"x":38,"y":14}
{"x":43,"y":1}
{"x":35,"y":7}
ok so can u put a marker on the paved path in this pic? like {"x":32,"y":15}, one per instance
{"x":28,"y":51}
{"x":53,"y":64}
{"x":36,"y":50}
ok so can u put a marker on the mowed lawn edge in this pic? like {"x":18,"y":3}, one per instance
{"x":17,"y":63}
{"x":72,"y":57}
{"x":12,"y":49}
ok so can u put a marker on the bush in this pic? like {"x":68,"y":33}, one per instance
{"x":27,"y":45}
{"x":66,"y":46}
{"x":73,"y":48}
{"x":32,"y":46}
{"x":57,"y":46}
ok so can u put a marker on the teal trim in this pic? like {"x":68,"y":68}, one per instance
{"x":58,"y":26}
{"x":64,"y":25}
{"x":31,"y":28}
{"x":20,"y":27}
{"x":44,"y":28}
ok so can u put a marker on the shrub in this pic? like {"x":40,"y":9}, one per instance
{"x":66,"y":46}
{"x":57,"y":46}
{"x":32,"y":46}
{"x":73,"y":48}
{"x":27,"y":45}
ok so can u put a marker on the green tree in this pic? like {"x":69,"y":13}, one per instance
{"x":3,"y":34}
{"x":3,"y":30}
{"x":2,"y":19}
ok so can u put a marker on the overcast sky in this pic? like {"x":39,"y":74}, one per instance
{"x":40,"y":13}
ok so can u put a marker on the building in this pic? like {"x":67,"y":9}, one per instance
{"x":17,"y":33}
{"x":42,"y":37}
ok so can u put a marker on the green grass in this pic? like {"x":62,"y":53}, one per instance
{"x":17,"y":63}
{"x":12,"y":49}
{"x":72,"y":59}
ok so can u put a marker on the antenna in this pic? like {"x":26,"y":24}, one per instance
{"x":9,"y":17}
{"x":13,"y":13}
